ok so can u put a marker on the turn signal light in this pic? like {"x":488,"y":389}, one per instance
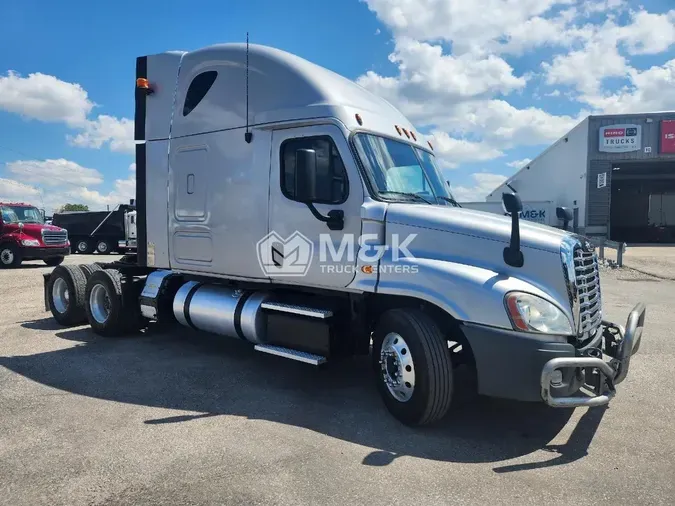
{"x":142,"y":82}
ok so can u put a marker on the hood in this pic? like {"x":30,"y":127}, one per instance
{"x":30,"y":229}
{"x":476,"y":224}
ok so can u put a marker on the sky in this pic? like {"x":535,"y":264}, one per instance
{"x":491,"y":82}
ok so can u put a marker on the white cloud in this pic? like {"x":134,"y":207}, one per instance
{"x":650,"y":90}
{"x":517,"y":164}
{"x":45,"y":98}
{"x":12,"y":190}
{"x":52,"y":183}
{"x":470,"y":26}
{"x":484,"y":183}
{"x":117,"y":133}
{"x":452,"y":151}
{"x":54,"y":172}
{"x":648,"y":33}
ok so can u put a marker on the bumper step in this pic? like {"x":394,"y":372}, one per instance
{"x":300,"y":356}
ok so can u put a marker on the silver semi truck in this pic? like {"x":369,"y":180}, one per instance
{"x":284,"y":205}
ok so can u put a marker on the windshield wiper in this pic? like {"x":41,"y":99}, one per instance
{"x":449,"y":199}
{"x":415,"y":196}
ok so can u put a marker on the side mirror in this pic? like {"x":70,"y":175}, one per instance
{"x":305,"y":175}
{"x":564,"y":214}
{"x":512,"y":203}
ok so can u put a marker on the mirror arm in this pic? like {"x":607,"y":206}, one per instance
{"x":335,"y":219}
{"x":512,"y":254}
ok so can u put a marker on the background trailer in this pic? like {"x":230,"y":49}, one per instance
{"x":616,"y":172}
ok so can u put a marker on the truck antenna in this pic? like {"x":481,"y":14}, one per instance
{"x":248,"y":136}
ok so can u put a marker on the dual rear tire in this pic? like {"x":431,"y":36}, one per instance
{"x":104,"y":298}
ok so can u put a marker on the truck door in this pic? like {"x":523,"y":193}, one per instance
{"x":291,"y":223}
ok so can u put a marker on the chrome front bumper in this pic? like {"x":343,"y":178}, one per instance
{"x":618,"y":344}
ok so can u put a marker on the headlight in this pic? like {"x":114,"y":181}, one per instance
{"x":530,"y":313}
{"x":30,"y":242}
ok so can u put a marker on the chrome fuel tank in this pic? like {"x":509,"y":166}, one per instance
{"x":221,"y":310}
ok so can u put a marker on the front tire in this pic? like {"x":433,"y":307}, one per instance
{"x":54,"y":261}
{"x":10,"y":256}
{"x":413,"y":366}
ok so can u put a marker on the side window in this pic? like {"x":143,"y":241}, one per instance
{"x":198,"y":89}
{"x":331,"y":177}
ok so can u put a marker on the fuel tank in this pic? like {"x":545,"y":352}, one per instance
{"x":222,"y":310}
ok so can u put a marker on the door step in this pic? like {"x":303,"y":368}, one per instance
{"x":310,"y":312}
{"x":300,"y":356}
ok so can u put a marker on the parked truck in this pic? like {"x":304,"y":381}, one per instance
{"x":25,"y":236}
{"x":283,"y":205}
{"x":101,"y":231}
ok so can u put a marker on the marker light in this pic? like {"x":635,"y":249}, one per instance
{"x":398,"y":129}
{"x":413,"y":135}
{"x":358,"y":119}
{"x":406,"y":133}
{"x":142,"y":82}
{"x":429,"y":142}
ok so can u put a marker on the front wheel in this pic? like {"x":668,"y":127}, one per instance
{"x":10,"y":256}
{"x":54,"y":261}
{"x":413,"y":366}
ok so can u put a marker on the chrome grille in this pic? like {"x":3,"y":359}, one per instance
{"x":54,"y":237}
{"x":588,"y":292}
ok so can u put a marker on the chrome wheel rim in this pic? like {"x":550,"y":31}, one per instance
{"x":102,"y":247}
{"x":60,"y":295}
{"x":397,"y":367}
{"x":99,"y":303}
{"x":82,"y":246}
{"x":6,"y":256}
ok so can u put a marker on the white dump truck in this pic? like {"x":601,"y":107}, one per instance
{"x":283,"y":205}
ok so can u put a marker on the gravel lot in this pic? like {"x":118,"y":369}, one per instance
{"x":186,"y":418}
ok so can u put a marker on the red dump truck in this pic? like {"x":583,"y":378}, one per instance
{"x":25,"y":236}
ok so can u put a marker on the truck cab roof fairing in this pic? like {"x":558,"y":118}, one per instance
{"x":282,"y":87}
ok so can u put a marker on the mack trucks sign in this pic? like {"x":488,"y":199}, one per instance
{"x":620,"y":138}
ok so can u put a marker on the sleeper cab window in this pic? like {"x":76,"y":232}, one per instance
{"x":331,"y":177}
{"x":198,"y":89}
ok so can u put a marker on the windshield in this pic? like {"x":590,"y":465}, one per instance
{"x":16,"y":214}
{"x":399,"y":171}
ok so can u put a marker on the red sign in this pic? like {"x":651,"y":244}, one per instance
{"x":668,"y":136}
{"x":615,"y":132}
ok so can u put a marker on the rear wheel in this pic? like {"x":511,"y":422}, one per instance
{"x":83,"y":246}
{"x":10,"y":256}
{"x":65,"y":295}
{"x":413,"y":366}
{"x":112,"y":303}
{"x":89,"y":269}
{"x":54,"y":261}
{"x":103,"y":247}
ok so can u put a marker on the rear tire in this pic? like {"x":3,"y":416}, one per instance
{"x":89,"y":269}
{"x":54,"y":261}
{"x":112,"y":305}
{"x":83,"y":246}
{"x":103,"y":247}
{"x":65,"y":295}
{"x":413,"y":366}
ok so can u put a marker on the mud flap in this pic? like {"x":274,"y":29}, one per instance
{"x":45,"y":280}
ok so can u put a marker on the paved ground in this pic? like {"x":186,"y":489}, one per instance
{"x":188,"y":419}
{"x":655,"y":260}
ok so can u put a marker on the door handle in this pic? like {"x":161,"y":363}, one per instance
{"x":191,"y":184}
